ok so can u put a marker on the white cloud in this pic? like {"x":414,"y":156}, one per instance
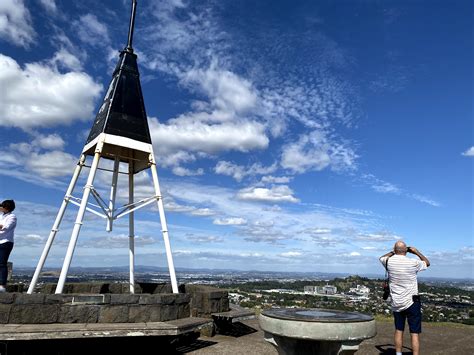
{"x":280,"y":193}
{"x":380,"y":185}
{"x":203,"y":212}
{"x":49,"y":5}
{"x":39,"y":161}
{"x":354,"y":253}
{"x":469,"y":152}
{"x":449,"y":258}
{"x":205,"y":239}
{"x":276,"y":179}
{"x":327,"y":241}
{"x":251,"y":255}
{"x":49,"y":142}
{"x":15,"y":23}
{"x":318,"y":231}
{"x":231,"y":221}
{"x":172,"y":36}
{"x":174,"y":159}
{"x":65,"y":59}
{"x":180,"y":171}
{"x":119,"y":241}
{"x":260,"y":234}
{"x":426,"y":200}
{"x":227,"y":91}
{"x":230,"y":169}
{"x":378,"y":237}
{"x":387,"y":187}
{"x":223,"y":116}
{"x":190,"y":44}
{"x":317,"y":151}
{"x":51,"y":164}
{"x":173,"y":206}
{"x":200,"y":137}
{"x":91,"y":31}
{"x":315,"y":104}
{"x":29,"y":240}
{"x":68,"y":55}
{"x":267,"y":224}
{"x":238,"y":172}
{"x":39,"y":95}
{"x":281,"y":228}
{"x":291,"y":254}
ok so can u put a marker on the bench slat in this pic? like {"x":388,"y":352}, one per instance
{"x":100,"y":330}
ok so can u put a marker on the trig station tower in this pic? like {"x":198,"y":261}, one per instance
{"x":120,"y":133}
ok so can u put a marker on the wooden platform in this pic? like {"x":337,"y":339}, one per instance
{"x":12,"y":332}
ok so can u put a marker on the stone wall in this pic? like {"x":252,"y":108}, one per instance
{"x":19,"y":308}
{"x":104,"y":287}
{"x":206,"y":300}
{"x":99,"y":302}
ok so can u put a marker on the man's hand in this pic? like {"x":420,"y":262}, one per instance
{"x":412,"y":250}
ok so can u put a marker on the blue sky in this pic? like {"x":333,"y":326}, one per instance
{"x":289,"y":135}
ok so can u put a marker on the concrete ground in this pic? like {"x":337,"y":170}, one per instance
{"x":243,"y":338}
{"x":436,"y":339}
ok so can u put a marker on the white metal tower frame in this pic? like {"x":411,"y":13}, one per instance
{"x":139,"y":156}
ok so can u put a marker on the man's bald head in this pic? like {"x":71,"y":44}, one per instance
{"x":400,"y":247}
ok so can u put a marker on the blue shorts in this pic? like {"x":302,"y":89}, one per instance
{"x":412,"y":314}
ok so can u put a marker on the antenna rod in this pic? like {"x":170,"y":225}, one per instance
{"x":132,"y":24}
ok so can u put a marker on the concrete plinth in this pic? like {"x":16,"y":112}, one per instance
{"x":316,"y":331}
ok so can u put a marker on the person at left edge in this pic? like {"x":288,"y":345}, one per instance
{"x":7,"y":231}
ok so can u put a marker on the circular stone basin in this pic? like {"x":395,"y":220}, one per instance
{"x":317,"y":315}
{"x":318,"y":324}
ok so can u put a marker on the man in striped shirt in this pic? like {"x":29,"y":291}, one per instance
{"x":405,"y":301}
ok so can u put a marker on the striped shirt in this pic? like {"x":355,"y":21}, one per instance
{"x":402,"y":273}
{"x":8,"y":221}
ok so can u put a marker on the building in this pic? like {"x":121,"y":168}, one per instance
{"x":320,"y":290}
{"x":360,"y":290}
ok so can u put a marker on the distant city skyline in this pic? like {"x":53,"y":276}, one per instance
{"x":289,"y":136}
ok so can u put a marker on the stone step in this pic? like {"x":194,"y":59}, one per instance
{"x":12,"y":332}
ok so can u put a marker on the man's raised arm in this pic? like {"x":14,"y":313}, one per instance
{"x":415,"y":251}
{"x":389,"y":254}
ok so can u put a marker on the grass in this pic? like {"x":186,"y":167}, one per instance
{"x":382,"y":318}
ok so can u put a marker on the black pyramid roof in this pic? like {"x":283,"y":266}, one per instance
{"x":123,"y":110}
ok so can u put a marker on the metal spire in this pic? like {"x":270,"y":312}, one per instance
{"x":132,"y":25}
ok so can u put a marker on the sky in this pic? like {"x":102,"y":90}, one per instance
{"x":289,"y":135}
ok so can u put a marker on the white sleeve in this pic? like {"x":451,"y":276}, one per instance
{"x":421,"y":265}
{"x":9,"y":223}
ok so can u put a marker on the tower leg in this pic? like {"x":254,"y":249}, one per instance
{"x":113,"y":193}
{"x":78,"y":223}
{"x":169,"y":256}
{"x":56,"y":224}
{"x":131,"y":229}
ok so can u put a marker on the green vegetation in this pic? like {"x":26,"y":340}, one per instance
{"x":440,"y":303}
